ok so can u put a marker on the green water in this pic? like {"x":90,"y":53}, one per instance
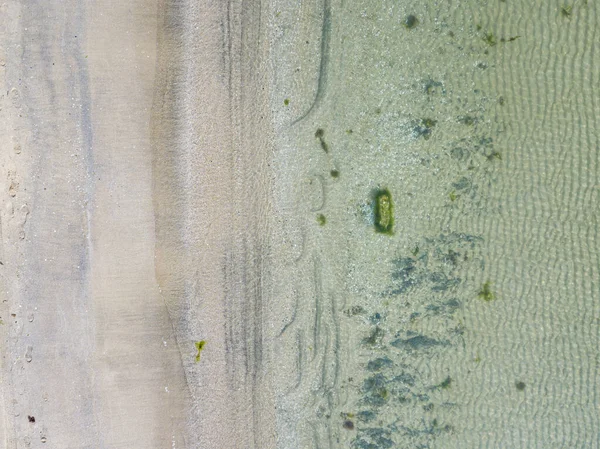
{"x":475,"y":321}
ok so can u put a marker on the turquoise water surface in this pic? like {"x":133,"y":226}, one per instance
{"x":475,"y":321}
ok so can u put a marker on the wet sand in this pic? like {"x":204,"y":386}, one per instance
{"x":134,"y":154}
{"x":189,"y":173}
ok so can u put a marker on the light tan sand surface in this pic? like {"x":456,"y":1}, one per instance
{"x":133,"y":158}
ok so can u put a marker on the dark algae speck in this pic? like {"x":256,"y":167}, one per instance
{"x":384,"y":212}
{"x":319,"y":135}
{"x":520,"y":385}
{"x":348,"y":425}
{"x":375,"y":337}
{"x":424,"y":127}
{"x":324,"y":146}
{"x":199,"y":347}
{"x":490,"y":39}
{"x":411,"y":21}
{"x":486,"y":292}
{"x":494,"y":155}
{"x":446,"y":382}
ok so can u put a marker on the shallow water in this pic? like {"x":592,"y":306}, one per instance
{"x":476,"y":322}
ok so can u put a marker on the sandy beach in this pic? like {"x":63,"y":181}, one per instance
{"x":299,"y":225}
{"x":134,"y":154}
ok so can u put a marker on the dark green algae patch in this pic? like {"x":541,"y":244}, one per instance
{"x":384,"y":212}
{"x":199,"y":347}
{"x":419,"y":320}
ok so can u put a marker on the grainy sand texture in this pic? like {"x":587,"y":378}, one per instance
{"x":292,"y":224}
{"x":134,"y":142}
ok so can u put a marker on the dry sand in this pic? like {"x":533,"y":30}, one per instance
{"x":135,"y":151}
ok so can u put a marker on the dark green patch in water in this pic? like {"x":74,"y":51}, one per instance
{"x":384,"y":211}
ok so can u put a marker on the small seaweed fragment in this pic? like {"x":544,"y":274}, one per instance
{"x":486,"y":292}
{"x":490,"y":39}
{"x":321,"y":219}
{"x":375,"y":318}
{"x":446,"y":383}
{"x":319,"y":135}
{"x":384,"y":212}
{"x":566,"y":10}
{"x":428,"y":122}
{"x":520,"y":385}
{"x":334,"y":173}
{"x":375,"y":338}
{"x":199,"y":346}
{"x":410,"y":21}
{"x":286,"y":101}
{"x":510,"y":39}
{"x":423,"y":128}
{"x":494,"y":155}
{"x":354,"y":310}
{"x":453,"y":196}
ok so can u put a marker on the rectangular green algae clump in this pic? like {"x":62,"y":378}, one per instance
{"x":384,"y":212}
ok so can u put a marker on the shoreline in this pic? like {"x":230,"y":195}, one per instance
{"x":211,"y":194}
